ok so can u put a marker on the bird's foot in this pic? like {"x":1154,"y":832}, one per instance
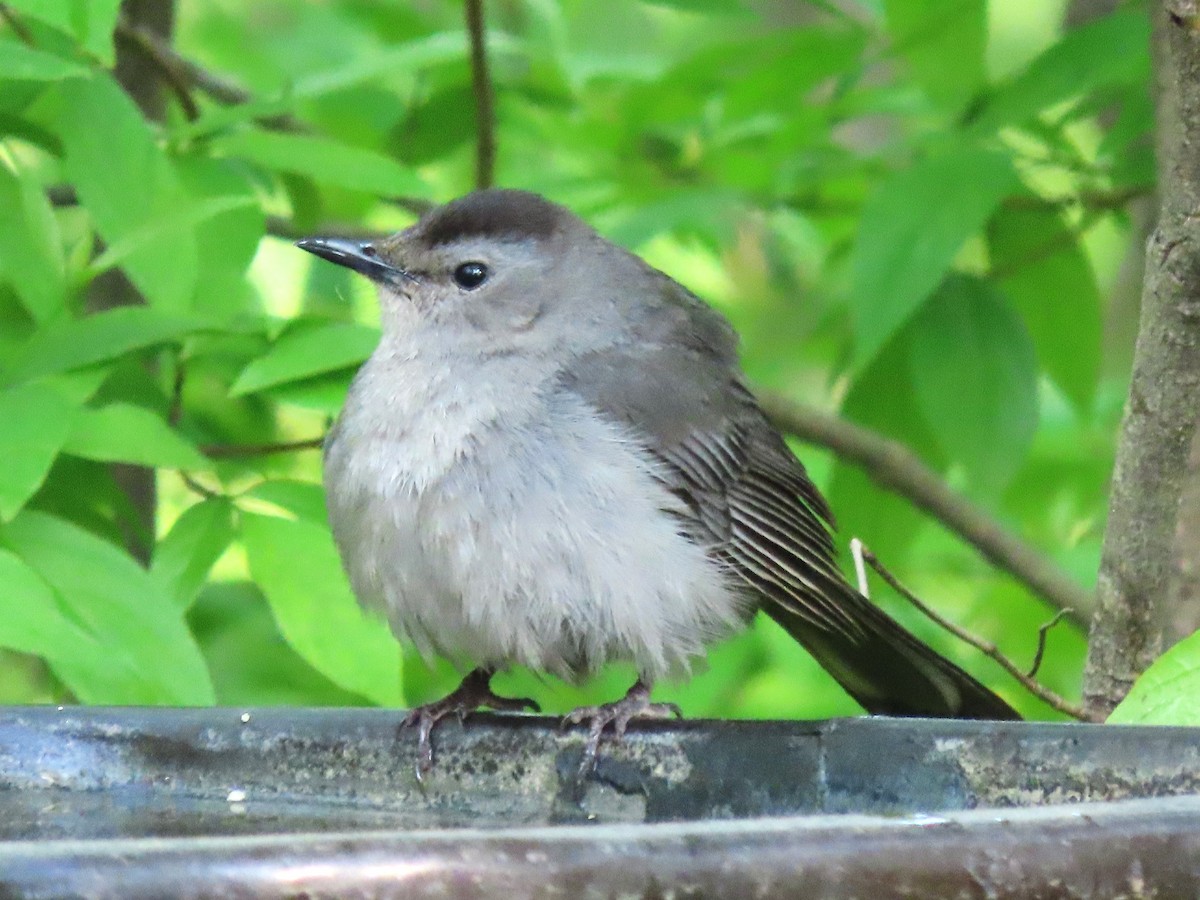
{"x":474,"y":691}
{"x":634,"y":705}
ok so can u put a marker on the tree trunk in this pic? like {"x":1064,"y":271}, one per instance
{"x":1133,"y":594}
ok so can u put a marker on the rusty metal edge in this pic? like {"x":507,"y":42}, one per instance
{"x":1126,"y":848}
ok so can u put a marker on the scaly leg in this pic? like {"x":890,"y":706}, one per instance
{"x":474,"y":691}
{"x":634,"y":705}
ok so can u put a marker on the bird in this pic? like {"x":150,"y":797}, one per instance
{"x":553,"y":459}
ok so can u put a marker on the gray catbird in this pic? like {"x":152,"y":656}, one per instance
{"x":552,"y":459}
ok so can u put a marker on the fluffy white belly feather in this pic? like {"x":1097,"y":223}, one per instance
{"x":498,"y":529}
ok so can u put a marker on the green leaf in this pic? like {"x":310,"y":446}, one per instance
{"x":703,"y":7}
{"x":121,"y":432}
{"x":1167,"y":693}
{"x":37,"y":420}
{"x":297,"y":567}
{"x":183,"y":558}
{"x":30,"y":620}
{"x":323,"y":160}
{"x":1109,"y":51}
{"x":182,"y":219}
{"x":251,"y":663}
{"x":21,"y":63}
{"x":705,"y":210}
{"x":883,"y":398}
{"x":912,"y":227}
{"x":1050,"y":280}
{"x":90,"y":23}
{"x":943,"y":44}
{"x":128,"y":185}
{"x":974,"y":373}
{"x":31,"y":254}
{"x":228,"y":241}
{"x":410,"y":56}
{"x":150,"y":656}
{"x":302,"y":352}
{"x":75,"y":343}
{"x":303,"y":499}
{"x":325,"y":394}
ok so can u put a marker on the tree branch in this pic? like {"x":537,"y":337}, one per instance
{"x":987,"y":647}
{"x":180,"y":69}
{"x":231,"y":451}
{"x":165,"y":60}
{"x":1069,"y":238}
{"x":481,"y":85}
{"x":898,"y":469}
{"x":1100,"y":201}
{"x":1132,"y":615}
{"x":24,"y":35}
{"x":1040,"y":652}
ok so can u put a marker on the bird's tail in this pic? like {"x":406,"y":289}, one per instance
{"x":887,"y":670}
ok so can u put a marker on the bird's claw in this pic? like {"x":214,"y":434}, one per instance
{"x":474,"y":692}
{"x":634,"y":705}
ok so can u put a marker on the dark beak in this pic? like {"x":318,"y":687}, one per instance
{"x":361,"y":256}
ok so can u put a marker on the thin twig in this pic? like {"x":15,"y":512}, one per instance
{"x":481,"y":85}
{"x":196,"y":486}
{"x":230,"y":451}
{"x":217,"y":87}
{"x":1103,"y":201}
{"x":895,"y":467}
{"x":1095,"y":200}
{"x":986,"y":647}
{"x":1041,"y":644}
{"x":166,"y":61}
{"x":1059,"y":242}
{"x":175,"y":410}
{"x":20,"y":29}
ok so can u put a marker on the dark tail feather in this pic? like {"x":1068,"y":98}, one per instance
{"x":888,"y":671}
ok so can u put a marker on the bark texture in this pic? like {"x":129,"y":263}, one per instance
{"x":1133,"y":612}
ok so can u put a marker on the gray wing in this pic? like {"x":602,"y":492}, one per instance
{"x":676,"y":383}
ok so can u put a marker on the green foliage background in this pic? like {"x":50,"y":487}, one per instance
{"x":915,"y":213}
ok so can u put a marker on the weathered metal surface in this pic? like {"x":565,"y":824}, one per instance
{"x":288,"y":802}
{"x":1128,"y":849}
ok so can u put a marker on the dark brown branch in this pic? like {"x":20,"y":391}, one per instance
{"x":215,"y":86}
{"x":168,"y":63}
{"x":1093,"y":200}
{"x":481,"y":84}
{"x":985,"y":647}
{"x":895,"y":467}
{"x":189,"y":73}
{"x":231,"y":451}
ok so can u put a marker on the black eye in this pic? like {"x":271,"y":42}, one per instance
{"x":470,"y":275}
